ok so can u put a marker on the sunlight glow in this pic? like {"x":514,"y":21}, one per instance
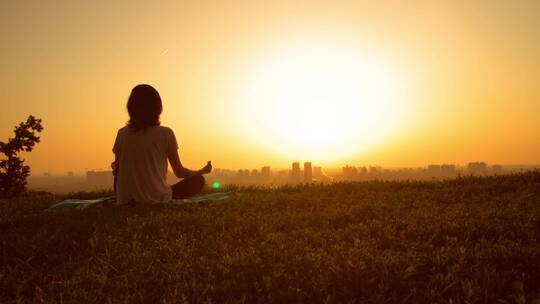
{"x":320,"y":104}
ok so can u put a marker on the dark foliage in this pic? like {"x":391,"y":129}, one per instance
{"x":13,"y":172}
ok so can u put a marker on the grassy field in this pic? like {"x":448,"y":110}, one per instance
{"x":470,"y":240}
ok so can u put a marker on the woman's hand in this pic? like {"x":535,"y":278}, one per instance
{"x":206,"y":169}
{"x":114,"y":167}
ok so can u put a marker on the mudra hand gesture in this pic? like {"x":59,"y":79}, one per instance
{"x":206,"y":169}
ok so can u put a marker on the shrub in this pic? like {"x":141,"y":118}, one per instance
{"x":13,"y":172}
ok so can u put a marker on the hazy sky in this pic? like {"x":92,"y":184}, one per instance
{"x":465,"y":77}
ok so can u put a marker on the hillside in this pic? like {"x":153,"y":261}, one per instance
{"x":461,"y":241}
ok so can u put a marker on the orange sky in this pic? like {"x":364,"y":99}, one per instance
{"x":468,"y":73}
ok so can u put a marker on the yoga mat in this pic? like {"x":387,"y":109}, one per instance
{"x":73,"y":203}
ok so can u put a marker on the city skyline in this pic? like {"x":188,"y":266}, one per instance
{"x":295,"y":174}
{"x":333,"y":167}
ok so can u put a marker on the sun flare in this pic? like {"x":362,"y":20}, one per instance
{"x":320,"y":104}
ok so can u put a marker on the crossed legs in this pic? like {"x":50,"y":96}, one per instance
{"x":188,"y":186}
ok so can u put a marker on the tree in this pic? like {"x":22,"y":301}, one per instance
{"x":13,"y":172}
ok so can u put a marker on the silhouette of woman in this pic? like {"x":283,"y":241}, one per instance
{"x":142,"y":149}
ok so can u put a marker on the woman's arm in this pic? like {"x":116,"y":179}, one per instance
{"x":181,"y":172}
{"x":115,"y":167}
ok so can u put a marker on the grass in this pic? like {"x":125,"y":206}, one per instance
{"x":470,"y":240}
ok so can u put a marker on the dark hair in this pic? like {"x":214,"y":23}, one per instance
{"x":144,"y":107}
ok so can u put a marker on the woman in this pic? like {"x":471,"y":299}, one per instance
{"x":142,"y":149}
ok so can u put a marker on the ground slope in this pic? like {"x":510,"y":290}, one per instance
{"x":465,"y":240}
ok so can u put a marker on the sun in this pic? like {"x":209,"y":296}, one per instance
{"x":319,"y":103}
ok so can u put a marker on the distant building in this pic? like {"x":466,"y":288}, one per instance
{"x":308,"y":172}
{"x":349,"y":172}
{"x":265,"y":173}
{"x":434,"y":170}
{"x":363,"y":170}
{"x":477,"y":168}
{"x":283,"y":175}
{"x":448,"y":169}
{"x":295,"y":173}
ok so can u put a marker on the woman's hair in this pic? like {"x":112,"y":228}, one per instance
{"x":144,"y":107}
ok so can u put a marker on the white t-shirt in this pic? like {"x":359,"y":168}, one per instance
{"x":142,"y":157}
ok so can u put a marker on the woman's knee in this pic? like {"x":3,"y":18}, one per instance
{"x":198,"y":180}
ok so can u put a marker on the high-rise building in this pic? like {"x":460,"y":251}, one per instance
{"x":308,"y":172}
{"x":265,"y":173}
{"x":295,"y":174}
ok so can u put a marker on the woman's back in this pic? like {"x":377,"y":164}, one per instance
{"x":142,"y":161}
